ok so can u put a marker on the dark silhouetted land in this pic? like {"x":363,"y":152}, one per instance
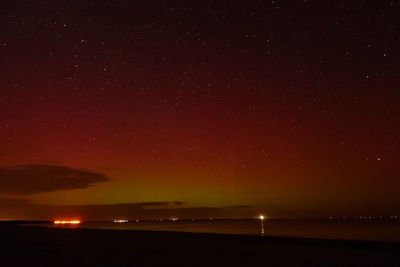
{"x":40,"y":246}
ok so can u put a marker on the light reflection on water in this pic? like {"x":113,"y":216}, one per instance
{"x":378,"y":230}
{"x":262,"y":227}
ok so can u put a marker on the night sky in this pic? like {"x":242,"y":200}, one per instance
{"x":199,"y":108}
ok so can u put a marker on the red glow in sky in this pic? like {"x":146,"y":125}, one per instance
{"x":219,"y":109}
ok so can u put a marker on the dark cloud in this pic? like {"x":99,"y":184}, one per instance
{"x":35,"y":178}
{"x":242,"y":207}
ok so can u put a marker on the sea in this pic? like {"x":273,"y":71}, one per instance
{"x":373,"y":230}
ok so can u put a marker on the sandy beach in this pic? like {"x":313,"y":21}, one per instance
{"x":39,"y":246}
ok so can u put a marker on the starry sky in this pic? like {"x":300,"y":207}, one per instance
{"x":199,"y":108}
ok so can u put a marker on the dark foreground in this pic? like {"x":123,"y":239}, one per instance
{"x":35,"y":246}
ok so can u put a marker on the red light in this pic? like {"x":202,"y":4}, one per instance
{"x":67,"y":222}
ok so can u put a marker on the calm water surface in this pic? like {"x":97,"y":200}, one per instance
{"x":354,"y":230}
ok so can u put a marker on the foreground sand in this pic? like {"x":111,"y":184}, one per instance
{"x":35,"y":246}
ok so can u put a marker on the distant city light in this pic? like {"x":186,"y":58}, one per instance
{"x":67,"y":222}
{"x":121,"y":221}
{"x":261,"y":217}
